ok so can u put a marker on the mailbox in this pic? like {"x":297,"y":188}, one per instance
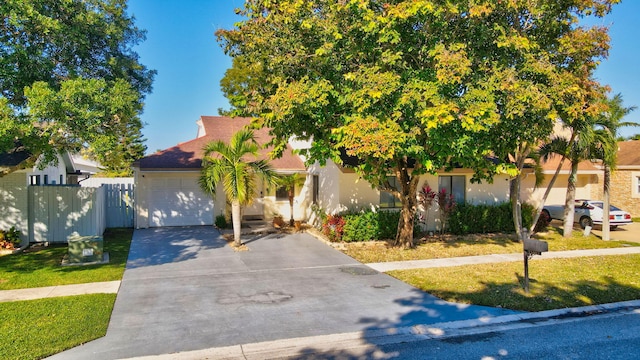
{"x":535,"y":246}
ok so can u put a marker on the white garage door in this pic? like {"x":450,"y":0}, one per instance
{"x":178,"y":202}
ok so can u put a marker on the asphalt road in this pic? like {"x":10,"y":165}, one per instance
{"x":607,"y":336}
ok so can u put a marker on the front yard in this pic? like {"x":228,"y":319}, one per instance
{"x":37,"y":328}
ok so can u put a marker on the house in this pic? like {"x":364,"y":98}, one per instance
{"x":625,"y":179}
{"x":14,"y":198}
{"x":168,"y":194}
{"x":167,"y":190}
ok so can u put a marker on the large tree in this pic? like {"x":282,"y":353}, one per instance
{"x":406,"y":87}
{"x":69,"y":79}
{"x":236,"y":168}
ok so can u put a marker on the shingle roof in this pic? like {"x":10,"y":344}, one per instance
{"x":629,"y":153}
{"x":188,"y":155}
{"x":551,"y":165}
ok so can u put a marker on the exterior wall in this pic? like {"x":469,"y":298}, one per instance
{"x":624,"y":192}
{"x":14,"y":204}
{"x":585,"y":185}
{"x":52,"y":172}
{"x":99,"y":181}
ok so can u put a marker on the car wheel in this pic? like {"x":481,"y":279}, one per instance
{"x":546,"y":214}
{"x":585,"y":221}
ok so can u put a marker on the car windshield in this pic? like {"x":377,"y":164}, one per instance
{"x":600,"y":204}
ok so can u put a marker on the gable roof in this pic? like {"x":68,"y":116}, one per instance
{"x":188,"y":155}
{"x":629,"y":153}
{"x":584,"y":167}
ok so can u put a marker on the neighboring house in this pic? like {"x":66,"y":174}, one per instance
{"x":586,"y":182}
{"x":167,"y":189}
{"x":14,"y":199}
{"x":625,"y":179}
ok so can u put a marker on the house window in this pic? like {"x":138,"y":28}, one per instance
{"x":454,"y":184}
{"x":282,"y":193}
{"x":46,"y":179}
{"x":315,"y":189}
{"x":34,"y":180}
{"x":637,"y":184}
{"x":61,"y":179}
{"x":387,"y":199}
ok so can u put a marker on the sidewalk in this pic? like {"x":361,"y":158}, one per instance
{"x":111,"y":287}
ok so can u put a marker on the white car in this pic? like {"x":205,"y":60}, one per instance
{"x":589,"y":213}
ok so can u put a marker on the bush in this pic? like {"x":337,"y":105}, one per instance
{"x":221,"y":222}
{"x":368,"y":225}
{"x":333,"y":226}
{"x":9,"y":239}
{"x":481,"y":219}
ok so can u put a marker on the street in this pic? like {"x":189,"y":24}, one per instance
{"x":605,"y":336}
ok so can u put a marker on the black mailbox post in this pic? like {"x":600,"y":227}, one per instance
{"x":531,"y":247}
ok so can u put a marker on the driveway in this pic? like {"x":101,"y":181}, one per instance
{"x":185,"y":289}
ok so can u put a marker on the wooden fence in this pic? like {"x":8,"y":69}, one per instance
{"x":119,"y":204}
{"x":57,"y":212}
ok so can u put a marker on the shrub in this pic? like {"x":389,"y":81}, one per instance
{"x":221,"y":222}
{"x":480,"y":219}
{"x":333,"y":226}
{"x":9,"y":239}
{"x":369,"y":225}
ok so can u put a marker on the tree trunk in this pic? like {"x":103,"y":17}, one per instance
{"x":237,"y":221}
{"x":408,"y":197}
{"x":569,"y":205}
{"x":516,"y":206}
{"x":606,"y":208}
{"x":291,"y":195}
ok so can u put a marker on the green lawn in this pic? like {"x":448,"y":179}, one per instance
{"x":554,"y":283}
{"x":453,"y":246}
{"x":41,"y":266}
{"x":38,"y":328}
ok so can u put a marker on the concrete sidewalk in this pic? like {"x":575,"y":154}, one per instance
{"x":112,"y":287}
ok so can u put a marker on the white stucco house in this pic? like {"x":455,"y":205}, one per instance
{"x":167,"y":191}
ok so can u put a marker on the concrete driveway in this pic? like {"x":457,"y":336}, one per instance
{"x":185,"y":289}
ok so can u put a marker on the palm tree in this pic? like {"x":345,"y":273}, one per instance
{"x":290,"y":182}
{"x":607,"y":149}
{"x":230,"y":166}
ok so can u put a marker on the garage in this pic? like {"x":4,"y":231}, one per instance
{"x":178,"y":201}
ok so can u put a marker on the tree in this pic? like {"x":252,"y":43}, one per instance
{"x":607,"y":149}
{"x":290,"y":182}
{"x":410,"y":87}
{"x":229,"y":165}
{"x":383,"y":82}
{"x":69,"y":79}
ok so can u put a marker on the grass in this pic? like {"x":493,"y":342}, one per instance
{"x":38,"y":328}
{"x":554,"y":283}
{"x":40,"y":266}
{"x":445,"y":246}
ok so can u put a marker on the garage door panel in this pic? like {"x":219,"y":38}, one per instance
{"x":179,"y":202}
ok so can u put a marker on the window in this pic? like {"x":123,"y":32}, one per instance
{"x":46,"y":179}
{"x":282,"y":193}
{"x":454,"y":184}
{"x":316,"y":189}
{"x":34,"y":180}
{"x":637,"y":184}
{"x":388,"y":200}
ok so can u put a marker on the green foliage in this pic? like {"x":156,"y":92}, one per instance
{"x":9,"y":239}
{"x":71,"y":80}
{"x":364,"y":226}
{"x":221,"y":222}
{"x":483,"y":219}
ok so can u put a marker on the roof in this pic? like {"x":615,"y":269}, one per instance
{"x":628,"y":153}
{"x":551,"y":165}
{"x":188,"y":155}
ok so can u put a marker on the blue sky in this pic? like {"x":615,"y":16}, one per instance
{"x":182,"y":47}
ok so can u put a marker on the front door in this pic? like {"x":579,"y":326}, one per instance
{"x":256,"y":210}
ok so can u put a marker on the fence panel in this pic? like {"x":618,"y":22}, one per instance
{"x":56,"y":212}
{"x":119,"y":204}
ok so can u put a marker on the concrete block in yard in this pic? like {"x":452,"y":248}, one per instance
{"x":84,"y":249}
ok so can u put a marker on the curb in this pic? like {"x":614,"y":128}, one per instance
{"x":356,"y":341}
